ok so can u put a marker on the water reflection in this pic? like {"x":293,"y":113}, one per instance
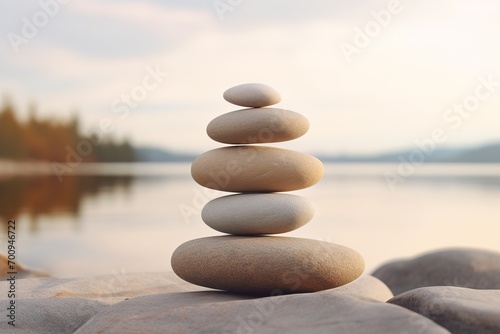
{"x":37,"y":195}
{"x":86,"y":224}
{"x":45,"y":195}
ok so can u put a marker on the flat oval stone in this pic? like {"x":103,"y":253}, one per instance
{"x":247,"y":214}
{"x":257,"y":125}
{"x":253,"y":95}
{"x":256,"y":169}
{"x":265,"y":264}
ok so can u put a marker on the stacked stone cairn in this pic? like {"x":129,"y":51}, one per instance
{"x":248,"y":260}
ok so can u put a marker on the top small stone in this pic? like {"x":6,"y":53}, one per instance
{"x":253,"y":95}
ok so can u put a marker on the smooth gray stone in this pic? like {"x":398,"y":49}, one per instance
{"x":263,"y":213}
{"x":366,"y":286}
{"x":463,"y":267}
{"x":332,"y":311}
{"x":52,"y":305}
{"x":460,"y":310}
{"x":62,"y":305}
{"x":108,"y":289}
{"x":49,"y":315}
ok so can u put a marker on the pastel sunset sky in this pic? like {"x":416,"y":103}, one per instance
{"x":371,"y":76}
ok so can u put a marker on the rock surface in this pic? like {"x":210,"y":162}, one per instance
{"x":460,"y":310}
{"x":108,"y":289}
{"x":256,"y":169}
{"x":365,"y":286}
{"x":262,"y":125}
{"x":50,"y":316}
{"x":265,"y":265}
{"x":54,"y":305}
{"x":330,"y":311}
{"x":463,"y":267}
{"x":254,"y":95}
{"x":257,"y":213}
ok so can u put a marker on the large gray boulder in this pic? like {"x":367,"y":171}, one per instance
{"x":108,"y":289}
{"x":462,"y":267}
{"x":366,"y":286}
{"x":460,"y":310}
{"x":52,"y":305}
{"x":352,"y":309}
{"x":49,"y":315}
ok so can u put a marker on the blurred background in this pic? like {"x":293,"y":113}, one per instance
{"x":104,"y":104}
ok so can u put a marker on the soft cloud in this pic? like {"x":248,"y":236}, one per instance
{"x":393,"y":92}
{"x":155,"y":18}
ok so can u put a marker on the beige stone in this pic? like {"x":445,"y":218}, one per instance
{"x":254,"y":95}
{"x":257,"y":213}
{"x":257,"y":125}
{"x":256,"y":169}
{"x":265,"y":264}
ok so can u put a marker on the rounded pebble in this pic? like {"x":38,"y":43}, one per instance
{"x":253,"y":95}
{"x":256,"y":169}
{"x":246,"y":214}
{"x":257,"y":125}
{"x":265,"y":264}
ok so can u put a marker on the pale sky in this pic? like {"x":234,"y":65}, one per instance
{"x":395,"y":88}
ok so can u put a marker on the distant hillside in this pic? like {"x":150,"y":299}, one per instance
{"x":489,"y":153}
{"x":483,"y":154}
{"x":152,"y":154}
{"x":441,"y":155}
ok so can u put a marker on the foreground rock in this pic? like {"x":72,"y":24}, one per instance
{"x":266,"y":265}
{"x":463,"y":267}
{"x":260,"y":125}
{"x":460,"y":310}
{"x":257,"y":213}
{"x":339,"y":310}
{"x":53,"y":305}
{"x":256,"y":169}
{"x":365,"y":286}
{"x":50,"y":316}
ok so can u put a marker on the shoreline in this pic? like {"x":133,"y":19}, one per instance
{"x":162,"y":302}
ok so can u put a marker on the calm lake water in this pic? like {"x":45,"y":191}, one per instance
{"x":130,"y":218}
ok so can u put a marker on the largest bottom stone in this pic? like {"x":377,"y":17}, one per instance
{"x":266,"y":265}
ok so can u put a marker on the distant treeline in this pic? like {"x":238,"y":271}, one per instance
{"x":50,"y":140}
